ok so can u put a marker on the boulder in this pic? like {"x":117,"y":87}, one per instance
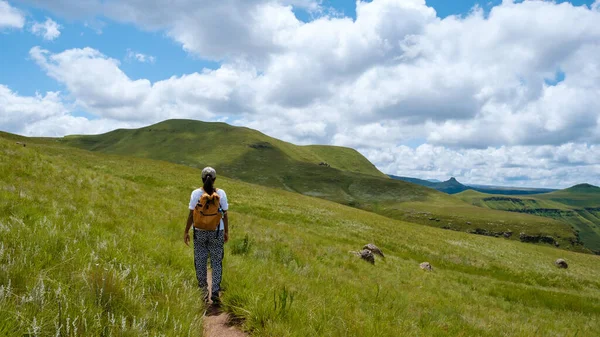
{"x":560,"y":263}
{"x":366,"y":255}
{"x":374,"y":249}
{"x":426,"y":266}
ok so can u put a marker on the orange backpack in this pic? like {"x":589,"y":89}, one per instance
{"x":207,"y":214}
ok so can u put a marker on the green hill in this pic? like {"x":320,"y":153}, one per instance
{"x":578,"y":206}
{"x":226,"y":147}
{"x":348,"y":178}
{"x":580,"y":196}
{"x":91,"y":245}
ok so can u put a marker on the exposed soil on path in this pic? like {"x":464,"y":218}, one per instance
{"x":218,"y":323}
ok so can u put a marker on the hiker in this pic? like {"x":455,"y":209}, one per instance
{"x":208,"y":213}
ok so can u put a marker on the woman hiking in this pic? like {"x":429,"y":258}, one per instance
{"x":208,"y":213}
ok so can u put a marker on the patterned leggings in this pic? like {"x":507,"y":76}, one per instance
{"x":207,"y":243}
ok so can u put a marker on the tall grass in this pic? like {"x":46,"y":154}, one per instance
{"x":91,"y":244}
{"x":84,"y":252}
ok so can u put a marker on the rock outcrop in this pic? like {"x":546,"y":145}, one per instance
{"x":366,"y":255}
{"x":374,"y":249}
{"x":426,"y":266}
{"x":560,"y":263}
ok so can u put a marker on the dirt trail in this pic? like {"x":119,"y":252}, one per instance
{"x":218,"y":323}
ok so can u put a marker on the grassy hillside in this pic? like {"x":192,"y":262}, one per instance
{"x":350,"y":179}
{"x":580,"y":196}
{"x":198,"y":143}
{"x":578,"y":206}
{"x":91,"y":244}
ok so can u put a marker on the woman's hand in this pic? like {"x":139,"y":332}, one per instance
{"x":186,"y":238}
{"x":226,"y":237}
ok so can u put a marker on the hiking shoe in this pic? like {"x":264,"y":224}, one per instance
{"x":216,"y":300}
{"x":205,"y":297}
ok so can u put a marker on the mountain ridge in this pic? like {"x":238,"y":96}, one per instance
{"x":453,"y":186}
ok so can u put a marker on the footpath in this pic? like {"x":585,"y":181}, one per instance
{"x":218,"y":323}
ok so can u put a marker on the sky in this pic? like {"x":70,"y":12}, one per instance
{"x":495,"y":92}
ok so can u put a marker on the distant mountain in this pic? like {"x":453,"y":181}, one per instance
{"x":450,"y":186}
{"x":509,"y":190}
{"x":426,"y":183}
{"x":453,"y":186}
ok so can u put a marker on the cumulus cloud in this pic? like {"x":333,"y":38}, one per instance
{"x":140,"y":57}
{"x":16,"y":110}
{"x":105,"y":90}
{"x":541,"y":166}
{"x":396,"y":74}
{"x":46,"y":115}
{"x":10,"y":17}
{"x":48,"y":29}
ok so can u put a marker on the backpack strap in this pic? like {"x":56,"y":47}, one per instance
{"x":219,"y":225}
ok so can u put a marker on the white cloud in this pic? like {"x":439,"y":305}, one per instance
{"x":102,"y":88}
{"x":46,"y":115}
{"x":48,"y":29}
{"x":541,"y":166}
{"x":143,"y":58}
{"x":10,"y":17}
{"x":396,"y":74}
{"x":16,"y":110}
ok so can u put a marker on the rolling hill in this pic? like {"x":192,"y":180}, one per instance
{"x":578,"y":206}
{"x":332,"y":173}
{"x":229,"y":148}
{"x":91,"y":244}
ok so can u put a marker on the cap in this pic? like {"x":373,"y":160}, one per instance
{"x":209,"y":171}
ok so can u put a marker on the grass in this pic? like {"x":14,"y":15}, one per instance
{"x":578,"y":206}
{"x":350,"y":179}
{"x":76,"y":244}
{"x":578,"y":196}
{"x":91,"y":244}
{"x":199,"y":143}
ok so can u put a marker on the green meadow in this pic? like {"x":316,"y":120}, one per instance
{"x":578,"y":206}
{"x":349,"y":179}
{"x":91,"y":245}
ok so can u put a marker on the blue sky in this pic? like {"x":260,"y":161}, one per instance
{"x":114,"y":41}
{"x":116,"y":38}
{"x":508,"y":95}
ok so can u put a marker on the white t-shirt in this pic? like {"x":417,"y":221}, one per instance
{"x":197,"y":193}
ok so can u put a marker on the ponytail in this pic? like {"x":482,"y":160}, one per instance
{"x":208,"y":185}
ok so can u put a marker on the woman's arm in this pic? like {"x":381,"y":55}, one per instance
{"x":226,"y":225}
